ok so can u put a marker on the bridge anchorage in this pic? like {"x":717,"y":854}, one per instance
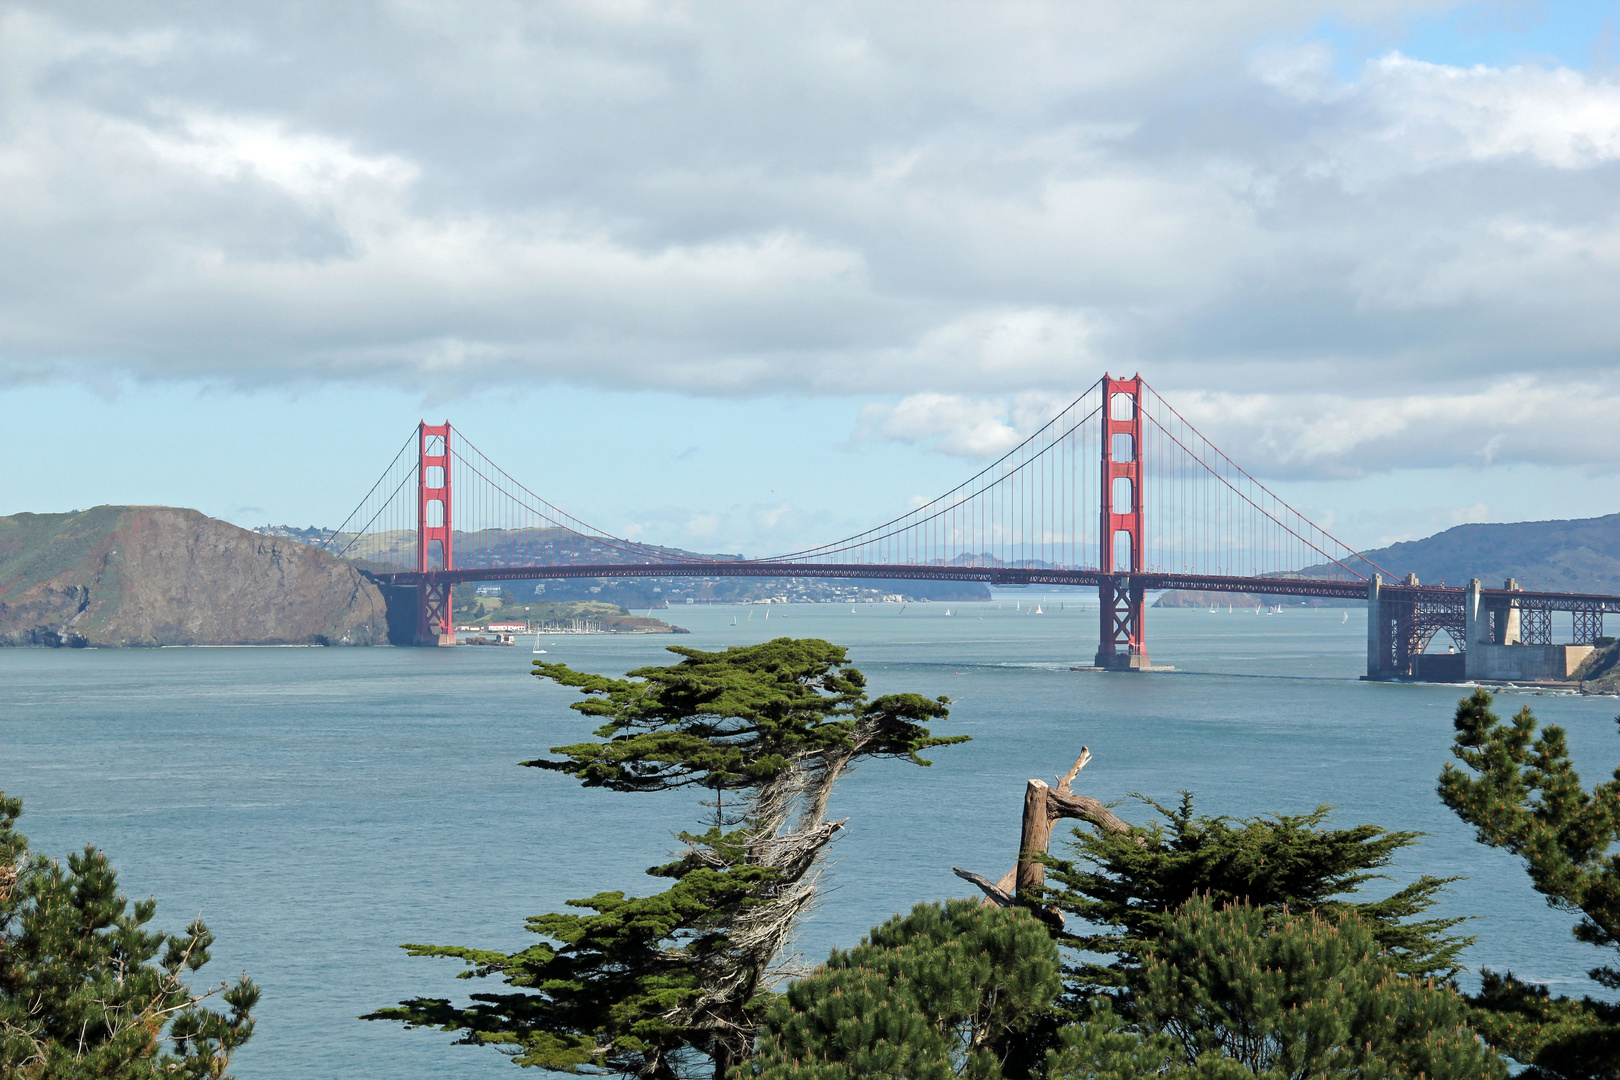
{"x":1070,"y":505}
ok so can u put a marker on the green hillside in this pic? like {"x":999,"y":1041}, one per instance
{"x":1582,"y":555}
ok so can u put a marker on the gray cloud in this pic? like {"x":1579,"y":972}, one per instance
{"x":962,"y":200}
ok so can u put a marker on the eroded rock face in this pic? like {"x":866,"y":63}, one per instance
{"x":158,"y":575}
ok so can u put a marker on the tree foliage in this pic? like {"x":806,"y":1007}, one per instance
{"x":1520,"y":791}
{"x":86,"y":993}
{"x":1238,"y":992}
{"x":675,"y":982}
{"x":1126,"y":887}
{"x":950,"y":990}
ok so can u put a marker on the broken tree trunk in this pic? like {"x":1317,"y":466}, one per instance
{"x":1044,"y":805}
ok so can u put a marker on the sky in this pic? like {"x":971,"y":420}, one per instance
{"x":748,"y":277}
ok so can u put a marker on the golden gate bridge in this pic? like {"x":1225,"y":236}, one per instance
{"x":1117,"y":492}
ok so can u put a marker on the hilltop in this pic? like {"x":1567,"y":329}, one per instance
{"x":1579,"y":555}
{"x":160,"y":575}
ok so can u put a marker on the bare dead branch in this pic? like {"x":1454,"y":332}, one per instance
{"x":1080,"y":763}
{"x":998,"y":895}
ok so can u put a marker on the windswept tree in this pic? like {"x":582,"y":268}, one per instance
{"x":1519,"y":789}
{"x":86,"y":992}
{"x":675,"y":983}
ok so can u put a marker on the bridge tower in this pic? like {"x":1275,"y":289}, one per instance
{"x":434,"y":544}
{"x":1121,"y":645}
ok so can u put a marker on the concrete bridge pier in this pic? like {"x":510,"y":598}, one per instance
{"x":1499,"y":649}
{"x":1401,"y":623}
{"x":1390,"y":623}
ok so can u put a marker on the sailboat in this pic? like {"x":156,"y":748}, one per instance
{"x":947,"y":611}
{"x":537,"y":647}
{"x":1345,"y":619}
{"x":1038,"y":610}
{"x":734,"y":620}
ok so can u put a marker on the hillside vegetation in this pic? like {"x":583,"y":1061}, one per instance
{"x":160,"y":575}
{"x":1582,"y":555}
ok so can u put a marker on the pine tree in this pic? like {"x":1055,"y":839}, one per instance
{"x":81,"y":997}
{"x":667,"y":984}
{"x":1521,"y":793}
{"x":1125,"y":886}
{"x":1237,"y":992}
{"x":949,"y":990}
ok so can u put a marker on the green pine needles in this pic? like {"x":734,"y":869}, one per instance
{"x":675,"y":983}
{"x":86,"y":993}
{"x":1238,"y":992}
{"x":951,"y":990}
{"x":1520,"y":791}
{"x":1125,"y":888}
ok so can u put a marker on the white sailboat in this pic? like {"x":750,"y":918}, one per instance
{"x":947,"y":611}
{"x":734,"y":620}
{"x":537,"y":647}
{"x":1345,"y":619}
{"x":1038,"y":610}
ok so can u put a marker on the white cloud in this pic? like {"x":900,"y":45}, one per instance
{"x":1311,"y":436}
{"x":703,"y":526}
{"x":779,"y":518}
{"x":970,"y":216}
{"x":974,"y":428}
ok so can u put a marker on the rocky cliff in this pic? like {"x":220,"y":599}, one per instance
{"x":158,"y":575}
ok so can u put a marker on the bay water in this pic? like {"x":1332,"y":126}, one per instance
{"x":321,"y":807}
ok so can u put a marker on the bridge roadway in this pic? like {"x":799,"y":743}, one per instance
{"x":1011,"y":575}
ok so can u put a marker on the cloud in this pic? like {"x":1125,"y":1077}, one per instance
{"x":956,"y":214}
{"x":778,"y":519}
{"x":973,"y":428}
{"x":703,"y":526}
{"x":1311,"y":436}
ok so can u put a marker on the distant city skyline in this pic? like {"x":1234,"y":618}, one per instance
{"x":743,"y":279}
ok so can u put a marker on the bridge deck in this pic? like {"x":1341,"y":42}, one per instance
{"x":1005,"y":575}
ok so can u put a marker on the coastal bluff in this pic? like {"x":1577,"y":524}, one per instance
{"x":116,"y":576}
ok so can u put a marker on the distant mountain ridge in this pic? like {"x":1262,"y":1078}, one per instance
{"x":1579,"y":555}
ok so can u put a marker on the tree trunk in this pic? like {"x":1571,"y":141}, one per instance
{"x":1044,"y":806}
{"x":1033,"y":841}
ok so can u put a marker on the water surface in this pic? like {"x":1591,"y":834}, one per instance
{"x":319,"y":807}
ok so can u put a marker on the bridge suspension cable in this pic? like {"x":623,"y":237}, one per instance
{"x":1036,"y":505}
{"x":1040,"y":506}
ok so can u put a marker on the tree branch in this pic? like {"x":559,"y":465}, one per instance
{"x":1000,"y":896}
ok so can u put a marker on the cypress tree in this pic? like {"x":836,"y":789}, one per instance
{"x":1125,"y":887}
{"x":949,"y":990}
{"x":1520,"y":791}
{"x":86,"y":993}
{"x":663,"y":984}
{"x":1237,"y":992}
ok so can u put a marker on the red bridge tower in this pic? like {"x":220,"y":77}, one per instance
{"x":1121,"y":645}
{"x":434,"y":546}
